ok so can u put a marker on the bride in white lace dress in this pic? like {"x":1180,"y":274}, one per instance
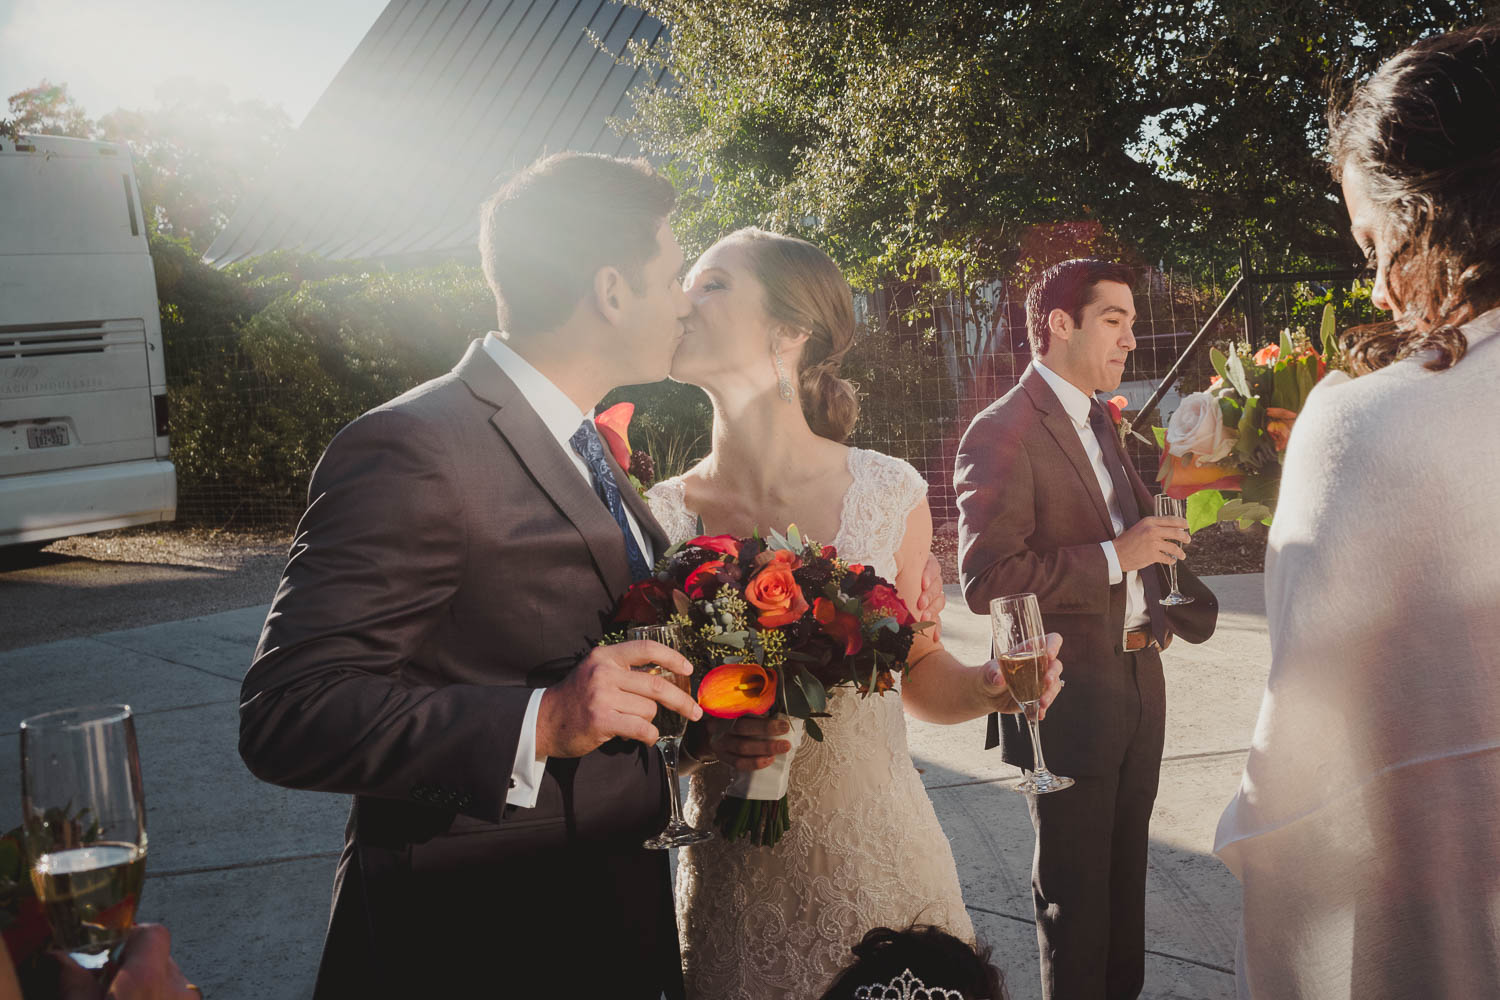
{"x":773,"y":318}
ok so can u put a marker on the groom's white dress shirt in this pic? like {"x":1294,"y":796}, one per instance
{"x":562,"y":418}
{"x":1078,"y":404}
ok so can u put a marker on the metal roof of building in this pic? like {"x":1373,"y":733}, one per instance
{"x":439,"y":102}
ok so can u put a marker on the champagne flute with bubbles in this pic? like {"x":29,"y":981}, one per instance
{"x":84,"y":825}
{"x":1021,"y":649}
{"x":670,"y":728}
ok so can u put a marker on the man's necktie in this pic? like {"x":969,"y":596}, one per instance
{"x":586,"y":442}
{"x":1130,"y":509}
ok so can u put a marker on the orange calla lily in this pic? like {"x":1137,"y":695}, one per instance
{"x":1182,"y":477}
{"x":1279,"y":425}
{"x":737,"y":689}
{"x":614,"y":428}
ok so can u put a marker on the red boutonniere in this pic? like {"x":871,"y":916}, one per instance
{"x":1116,"y":407}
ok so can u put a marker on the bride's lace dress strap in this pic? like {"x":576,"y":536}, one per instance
{"x":667,"y":500}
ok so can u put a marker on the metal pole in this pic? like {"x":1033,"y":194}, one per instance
{"x":1187,"y":352}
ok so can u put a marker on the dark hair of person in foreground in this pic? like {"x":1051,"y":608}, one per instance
{"x":1423,"y":133}
{"x":941,"y":961}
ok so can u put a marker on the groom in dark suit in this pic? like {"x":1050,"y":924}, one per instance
{"x":431,"y":647}
{"x":1048,"y":504}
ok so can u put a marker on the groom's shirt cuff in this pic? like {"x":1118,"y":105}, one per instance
{"x":526,"y":775}
{"x":1110,"y":556}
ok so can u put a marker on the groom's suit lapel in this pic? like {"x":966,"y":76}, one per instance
{"x":549,"y":465}
{"x":1055,"y":418}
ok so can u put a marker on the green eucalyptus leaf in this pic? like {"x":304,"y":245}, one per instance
{"x":794,"y":538}
{"x":732,"y":639}
{"x":814,"y":730}
{"x":1234,"y":370}
{"x":814,"y":691}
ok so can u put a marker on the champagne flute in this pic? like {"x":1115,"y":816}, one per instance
{"x":1172,"y":507}
{"x":1021,"y":649}
{"x":670,"y":727}
{"x":84,"y":824}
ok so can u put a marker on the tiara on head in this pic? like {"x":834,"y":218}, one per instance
{"x":905,"y":987}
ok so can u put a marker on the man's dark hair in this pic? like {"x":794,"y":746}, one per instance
{"x":932,"y":955}
{"x":1068,"y":286}
{"x":546,"y":233}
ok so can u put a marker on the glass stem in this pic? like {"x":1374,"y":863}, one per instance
{"x":1172,"y":576}
{"x":668,"y":750}
{"x":1036,"y":741}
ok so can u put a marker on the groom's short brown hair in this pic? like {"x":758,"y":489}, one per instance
{"x":550,"y":228}
{"x":1068,"y":286}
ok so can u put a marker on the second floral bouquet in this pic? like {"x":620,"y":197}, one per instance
{"x":772,"y":624}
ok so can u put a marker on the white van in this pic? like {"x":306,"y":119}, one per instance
{"x":83,"y":405}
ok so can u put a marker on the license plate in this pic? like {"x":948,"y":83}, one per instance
{"x":55,"y":436}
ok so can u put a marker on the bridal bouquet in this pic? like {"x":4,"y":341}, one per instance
{"x":1222,"y":450}
{"x":772,"y":624}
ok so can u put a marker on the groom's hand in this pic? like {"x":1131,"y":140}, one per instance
{"x":603,"y":698}
{"x":993,"y":689}
{"x":930,"y":605}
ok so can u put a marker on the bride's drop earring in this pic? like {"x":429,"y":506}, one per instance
{"x":783,"y":384}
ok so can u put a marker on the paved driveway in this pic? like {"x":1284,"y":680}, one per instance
{"x":241,"y":870}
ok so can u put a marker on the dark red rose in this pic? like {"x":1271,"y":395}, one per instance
{"x":644,"y":602}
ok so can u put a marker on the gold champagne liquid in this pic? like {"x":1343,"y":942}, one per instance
{"x":90,"y":893}
{"x":1023,"y":670}
{"x":669,"y":724}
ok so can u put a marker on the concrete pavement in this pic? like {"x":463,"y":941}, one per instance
{"x":241,"y":871}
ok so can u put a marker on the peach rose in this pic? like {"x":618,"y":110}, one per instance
{"x":1197,"y":428}
{"x":775,"y":592}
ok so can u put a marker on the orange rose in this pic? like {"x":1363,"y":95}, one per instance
{"x":1267,"y":355}
{"x":737,"y":689}
{"x":775,"y":592}
{"x":1213,"y":383}
{"x":1279,"y":425}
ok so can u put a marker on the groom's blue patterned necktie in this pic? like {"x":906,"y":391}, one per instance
{"x":586,"y":442}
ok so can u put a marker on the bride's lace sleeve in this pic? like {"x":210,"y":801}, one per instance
{"x":885,"y":491}
{"x":666,"y":500}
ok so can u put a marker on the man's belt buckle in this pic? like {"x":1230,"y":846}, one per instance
{"x":1138,"y":639}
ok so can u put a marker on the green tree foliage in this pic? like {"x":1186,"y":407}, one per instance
{"x":908,"y":134}
{"x":47,"y":109}
{"x":268,"y":359}
{"x":196,"y":154}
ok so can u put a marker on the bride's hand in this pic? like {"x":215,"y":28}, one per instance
{"x":752,"y":743}
{"x":992,"y":681}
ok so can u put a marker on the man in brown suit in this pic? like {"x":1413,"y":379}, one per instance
{"x":1049,"y":505}
{"x":431,"y":646}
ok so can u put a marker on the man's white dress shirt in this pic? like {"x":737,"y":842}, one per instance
{"x":1078,"y":404}
{"x":562,"y":418}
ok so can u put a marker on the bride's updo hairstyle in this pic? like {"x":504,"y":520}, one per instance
{"x":806,"y":291}
{"x":1424,"y":133}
